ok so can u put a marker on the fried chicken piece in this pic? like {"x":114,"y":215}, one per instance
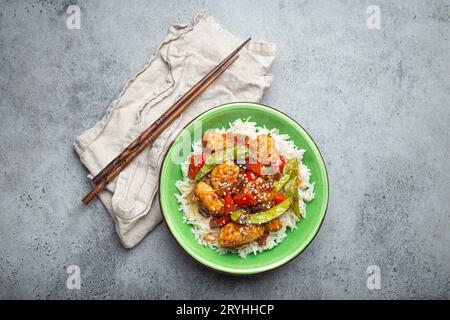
{"x":264,"y":148}
{"x":273,"y":225}
{"x":224,"y":177}
{"x":261,"y":189}
{"x":235,"y":235}
{"x":265,"y":196}
{"x":209,"y":198}
{"x":214,"y":141}
{"x":218,"y":141}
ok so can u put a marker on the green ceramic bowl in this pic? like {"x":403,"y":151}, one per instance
{"x":296,"y":240}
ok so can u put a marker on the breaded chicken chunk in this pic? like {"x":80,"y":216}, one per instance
{"x":273,"y":225}
{"x":214,"y":141}
{"x":264,"y":148}
{"x":209,"y":198}
{"x":261,"y":189}
{"x":224,"y":177}
{"x":218,"y":141}
{"x":235,"y":235}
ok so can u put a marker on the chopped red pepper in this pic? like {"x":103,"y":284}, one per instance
{"x":222,"y":221}
{"x":279,"y":197}
{"x":256,"y":168}
{"x":196,"y":162}
{"x":244,"y":200}
{"x":229,"y":204}
{"x":282,"y":163}
{"x":250,"y":176}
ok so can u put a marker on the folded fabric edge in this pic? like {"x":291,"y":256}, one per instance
{"x":135,"y":233}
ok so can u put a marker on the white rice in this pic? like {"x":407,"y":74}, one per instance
{"x":200,"y":224}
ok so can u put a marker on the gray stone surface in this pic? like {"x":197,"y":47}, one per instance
{"x":375,"y":101}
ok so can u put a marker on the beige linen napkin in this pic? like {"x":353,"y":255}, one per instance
{"x":183,"y":58}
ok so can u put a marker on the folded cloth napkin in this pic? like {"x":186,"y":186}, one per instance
{"x":183,"y":58}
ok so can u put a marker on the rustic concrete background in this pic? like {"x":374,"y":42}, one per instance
{"x":375,"y":101}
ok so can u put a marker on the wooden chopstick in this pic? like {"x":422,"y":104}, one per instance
{"x":115,"y":172}
{"x":150,"y":134}
{"x":126,"y":152}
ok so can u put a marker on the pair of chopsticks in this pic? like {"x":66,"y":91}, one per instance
{"x":150,"y":134}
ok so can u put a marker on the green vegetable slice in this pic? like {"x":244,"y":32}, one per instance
{"x":290,"y":182}
{"x":238,"y":152}
{"x":290,"y":170}
{"x":291,"y":190}
{"x":291,"y":167}
{"x":291,"y":186}
{"x":296,"y":206}
{"x":280,"y":183}
{"x":234,"y":216}
{"x":262,"y":217}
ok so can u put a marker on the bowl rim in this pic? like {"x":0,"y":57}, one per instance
{"x":227,"y":270}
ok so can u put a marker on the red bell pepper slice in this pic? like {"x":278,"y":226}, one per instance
{"x":282,"y":163}
{"x":222,"y":221}
{"x":244,"y":200}
{"x":256,"y":168}
{"x":196,"y":162}
{"x":229,"y":204}
{"x":250,"y":176}
{"x":260,"y":170}
{"x":279,"y":197}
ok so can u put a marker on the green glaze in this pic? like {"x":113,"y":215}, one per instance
{"x":295,"y":242}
